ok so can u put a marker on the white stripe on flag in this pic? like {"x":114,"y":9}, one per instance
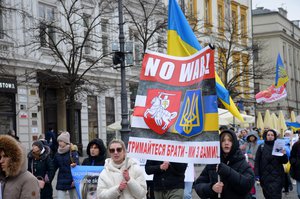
{"x":138,"y":122}
{"x":140,"y":100}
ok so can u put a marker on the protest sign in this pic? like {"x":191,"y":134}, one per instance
{"x":176,"y":101}
{"x":279,"y":146}
{"x":86,"y":180}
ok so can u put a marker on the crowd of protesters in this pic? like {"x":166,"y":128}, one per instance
{"x":246,"y":156}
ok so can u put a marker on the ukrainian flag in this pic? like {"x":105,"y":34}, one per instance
{"x":183,"y":42}
{"x":281,"y":76}
{"x":295,"y":126}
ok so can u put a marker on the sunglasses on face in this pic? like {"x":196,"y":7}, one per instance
{"x":113,"y":150}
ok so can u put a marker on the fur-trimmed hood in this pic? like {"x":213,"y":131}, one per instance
{"x":13,"y":150}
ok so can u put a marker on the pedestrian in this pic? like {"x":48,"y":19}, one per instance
{"x":268,"y":168}
{"x":51,"y":138}
{"x":287,"y":183}
{"x":122,"y":177}
{"x":168,"y":178}
{"x":251,"y":146}
{"x":188,"y":183}
{"x":16,"y":182}
{"x":65,"y":157}
{"x":242,"y":140}
{"x":233,"y":178}
{"x":41,"y":166}
{"x":96,"y":152}
{"x":295,"y":165}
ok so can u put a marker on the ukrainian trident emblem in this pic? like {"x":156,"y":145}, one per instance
{"x":190,"y":119}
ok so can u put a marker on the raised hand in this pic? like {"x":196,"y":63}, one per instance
{"x":126,"y":175}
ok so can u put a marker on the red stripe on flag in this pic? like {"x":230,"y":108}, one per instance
{"x":139,"y":111}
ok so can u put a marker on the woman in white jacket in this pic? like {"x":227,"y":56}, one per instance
{"x":122,"y":177}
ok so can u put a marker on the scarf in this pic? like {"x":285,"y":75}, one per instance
{"x":118,"y":166}
{"x":63,"y":150}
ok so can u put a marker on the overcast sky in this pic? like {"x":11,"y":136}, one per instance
{"x":292,"y":6}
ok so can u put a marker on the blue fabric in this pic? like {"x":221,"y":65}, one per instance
{"x":178,"y":23}
{"x":222,"y":93}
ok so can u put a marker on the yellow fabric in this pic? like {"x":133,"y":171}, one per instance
{"x":178,"y":47}
{"x":233,"y":109}
{"x":211,"y":123}
{"x":287,"y":167}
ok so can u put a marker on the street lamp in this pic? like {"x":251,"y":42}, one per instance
{"x":119,"y":58}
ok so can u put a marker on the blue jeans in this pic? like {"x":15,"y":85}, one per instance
{"x":62,"y":194}
{"x":298,"y":188}
{"x":188,"y":186}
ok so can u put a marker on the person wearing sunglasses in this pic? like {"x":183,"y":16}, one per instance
{"x":122,"y":177}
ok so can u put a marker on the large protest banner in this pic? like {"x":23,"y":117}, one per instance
{"x":176,"y":101}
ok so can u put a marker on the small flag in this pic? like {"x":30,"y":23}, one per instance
{"x":281,"y":75}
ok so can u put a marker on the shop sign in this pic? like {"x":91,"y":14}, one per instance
{"x":8,"y":85}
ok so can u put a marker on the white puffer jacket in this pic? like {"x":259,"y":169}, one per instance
{"x":111,"y":177}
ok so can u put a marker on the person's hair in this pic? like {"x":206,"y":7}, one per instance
{"x":223,"y":127}
{"x":117,"y":141}
{"x":223,"y":137}
{"x":86,"y":183}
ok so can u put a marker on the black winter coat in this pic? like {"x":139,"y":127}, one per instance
{"x":41,"y":167}
{"x":97,"y":160}
{"x":235,"y":173}
{"x":269,"y":169}
{"x":63,"y":162}
{"x":295,"y":161}
{"x":172,"y":178}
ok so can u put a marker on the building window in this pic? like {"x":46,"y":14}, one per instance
{"x":192,"y":11}
{"x":290,"y":56}
{"x":87,"y":35}
{"x":110,"y":110}
{"x":92,"y":117}
{"x":246,"y":71}
{"x":104,"y":25}
{"x":255,"y":53}
{"x":284,"y":52}
{"x":222,"y":63}
{"x":133,"y":92}
{"x":234,"y":18}
{"x":207,"y":15}
{"x":244,"y":29}
{"x":160,"y":44}
{"x":104,"y":29}
{"x":7,"y":112}
{"x":237,"y":68}
{"x":1,"y":21}
{"x":47,"y":33}
{"x":256,"y":87}
{"x":105,"y":44}
{"x":221,"y":17}
{"x":138,"y":52}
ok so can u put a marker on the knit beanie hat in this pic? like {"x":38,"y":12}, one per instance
{"x":65,"y":137}
{"x":38,"y":144}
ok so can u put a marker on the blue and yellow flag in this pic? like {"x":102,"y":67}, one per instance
{"x":183,"y":42}
{"x":281,"y":76}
